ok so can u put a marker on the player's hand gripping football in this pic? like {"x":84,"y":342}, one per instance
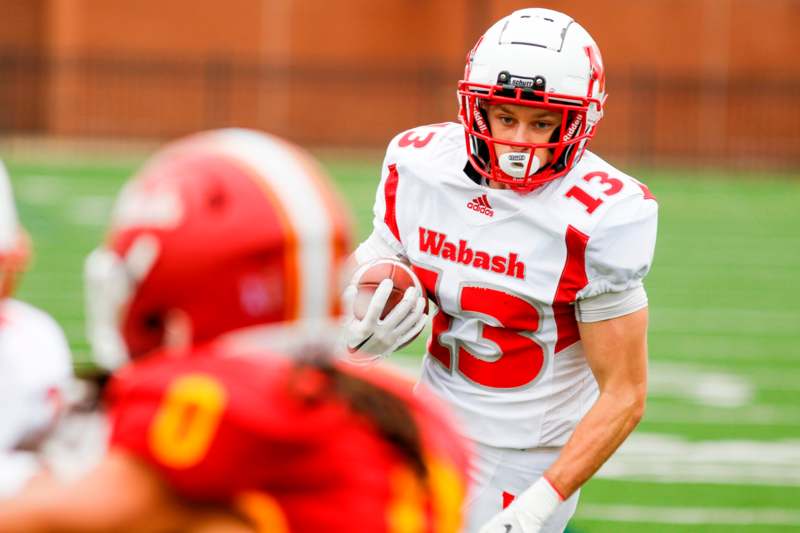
{"x":376,"y":323}
{"x":528,"y":512}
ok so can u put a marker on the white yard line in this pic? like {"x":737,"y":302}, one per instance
{"x":688,"y":515}
{"x":89,"y":210}
{"x":760,"y":416}
{"x":672,"y":459}
{"x":714,"y":388}
{"x":41,"y":190}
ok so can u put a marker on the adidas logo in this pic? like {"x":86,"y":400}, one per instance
{"x":481,"y":205}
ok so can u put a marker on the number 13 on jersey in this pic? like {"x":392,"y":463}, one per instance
{"x":517,"y":360}
{"x":509,"y":325}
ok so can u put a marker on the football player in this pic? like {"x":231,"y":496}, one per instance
{"x":35,"y":361}
{"x":534,"y":250}
{"x":215,"y":298}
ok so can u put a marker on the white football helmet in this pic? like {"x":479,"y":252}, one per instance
{"x":537,"y":58}
{"x":14,"y":241}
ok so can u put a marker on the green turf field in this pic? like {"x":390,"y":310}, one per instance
{"x":719,"y":448}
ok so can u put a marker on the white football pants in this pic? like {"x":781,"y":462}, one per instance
{"x":497,"y":474}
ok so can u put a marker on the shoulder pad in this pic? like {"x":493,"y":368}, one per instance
{"x":425,"y":142}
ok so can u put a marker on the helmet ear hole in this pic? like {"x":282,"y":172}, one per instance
{"x":216,"y":197}
{"x":153,"y":322}
{"x":216,"y":200}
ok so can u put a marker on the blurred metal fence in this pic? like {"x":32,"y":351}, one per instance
{"x":738,"y":122}
{"x":654,"y":119}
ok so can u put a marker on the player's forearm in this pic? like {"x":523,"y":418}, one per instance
{"x":94,"y":503}
{"x":42,"y":515}
{"x":38,"y":512}
{"x":35,"y":511}
{"x":607,"y":424}
{"x":616,"y":350}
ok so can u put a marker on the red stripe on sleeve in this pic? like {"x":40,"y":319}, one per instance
{"x":573,"y":279}
{"x":647,"y":194}
{"x":390,"y":193}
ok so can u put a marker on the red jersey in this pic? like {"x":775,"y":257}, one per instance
{"x":235,"y":431}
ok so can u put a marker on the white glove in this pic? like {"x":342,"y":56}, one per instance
{"x":371,"y":338}
{"x":528,"y":512}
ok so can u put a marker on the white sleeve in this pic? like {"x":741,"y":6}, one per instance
{"x":16,"y":470}
{"x":37,"y":369}
{"x":610,"y":305}
{"x":375,"y":247}
{"x":620,"y":251}
{"x":9,"y":225}
{"x":384,"y":211}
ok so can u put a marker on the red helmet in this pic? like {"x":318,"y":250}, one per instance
{"x":536,"y":58}
{"x":232,"y":227}
{"x":14,"y":241}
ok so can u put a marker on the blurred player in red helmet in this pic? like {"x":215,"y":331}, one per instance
{"x":219,"y":281}
{"x":35,"y":362}
{"x":534,"y":250}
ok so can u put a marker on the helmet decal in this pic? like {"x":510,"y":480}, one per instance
{"x":598,"y":72}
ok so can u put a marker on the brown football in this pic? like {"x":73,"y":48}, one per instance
{"x":372,"y":277}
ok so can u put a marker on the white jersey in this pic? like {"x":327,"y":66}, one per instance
{"x":35,"y":370}
{"x":505,"y":270}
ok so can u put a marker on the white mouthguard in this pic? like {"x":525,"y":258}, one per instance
{"x":514,"y":164}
